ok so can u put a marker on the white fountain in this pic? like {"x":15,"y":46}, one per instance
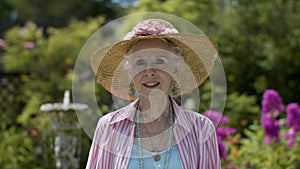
{"x":65,"y":134}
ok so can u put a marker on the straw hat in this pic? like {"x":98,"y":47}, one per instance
{"x":198,"y":51}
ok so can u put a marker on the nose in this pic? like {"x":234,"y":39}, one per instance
{"x":149,"y":72}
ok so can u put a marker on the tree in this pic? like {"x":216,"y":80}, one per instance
{"x":257,"y":40}
{"x":55,"y":13}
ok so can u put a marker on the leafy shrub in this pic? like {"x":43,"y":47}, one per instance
{"x":44,"y":60}
{"x":252,"y":152}
{"x":271,"y":143}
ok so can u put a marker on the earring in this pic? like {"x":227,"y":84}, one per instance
{"x":131,"y":89}
{"x":174,"y":88}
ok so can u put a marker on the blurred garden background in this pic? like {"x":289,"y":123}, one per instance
{"x":258,"y":44}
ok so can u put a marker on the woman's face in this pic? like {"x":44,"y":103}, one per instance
{"x":151,"y":66}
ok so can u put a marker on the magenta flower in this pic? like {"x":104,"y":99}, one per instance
{"x":293,"y":121}
{"x":291,"y":136}
{"x":293,"y":116}
{"x":271,"y":127}
{"x":224,"y":132}
{"x":291,"y":142}
{"x":2,"y":43}
{"x":216,"y":117}
{"x":29,"y":45}
{"x":222,"y":148}
{"x":272,"y":102}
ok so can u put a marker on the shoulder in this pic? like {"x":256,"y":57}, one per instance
{"x":203,"y":126}
{"x":200,"y":119}
{"x":116,"y":116}
{"x":189,"y":116}
{"x":105,"y":125}
{"x":103,"y":122}
{"x":108,"y":116}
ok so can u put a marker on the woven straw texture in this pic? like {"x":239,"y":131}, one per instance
{"x":198,"y":52}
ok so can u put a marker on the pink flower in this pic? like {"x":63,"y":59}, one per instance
{"x":2,"y":43}
{"x":29,"y":45}
{"x":291,"y":142}
{"x":291,"y":136}
{"x":271,"y":127}
{"x":147,"y":27}
{"x":216,"y":117}
{"x":293,"y":116}
{"x":224,"y":132}
{"x":222,"y":148}
{"x":272,"y":102}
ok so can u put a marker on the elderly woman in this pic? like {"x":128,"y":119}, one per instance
{"x":153,"y":64}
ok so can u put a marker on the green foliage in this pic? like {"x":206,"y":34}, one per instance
{"x":252,"y":152}
{"x":45,"y":70}
{"x":16,"y":58}
{"x":257,"y":45}
{"x":241,"y":109}
{"x":198,"y":13}
{"x":48,"y":67}
{"x":54,"y":13}
{"x":18,"y":151}
{"x":9,"y":103}
{"x":257,"y":40}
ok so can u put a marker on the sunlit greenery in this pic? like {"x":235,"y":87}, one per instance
{"x":258,"y":45}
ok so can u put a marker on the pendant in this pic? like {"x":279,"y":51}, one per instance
{"x":155,"y":156}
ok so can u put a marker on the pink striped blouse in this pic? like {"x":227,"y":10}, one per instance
{"x":194,"y":135}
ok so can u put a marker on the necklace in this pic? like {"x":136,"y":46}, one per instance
{"x":155,"y":155}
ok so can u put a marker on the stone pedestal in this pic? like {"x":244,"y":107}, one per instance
{"x":65,"y":134}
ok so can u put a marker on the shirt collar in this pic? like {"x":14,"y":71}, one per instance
{"x":128,"y":112}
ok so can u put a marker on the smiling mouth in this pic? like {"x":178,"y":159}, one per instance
{"x":151,"y":84}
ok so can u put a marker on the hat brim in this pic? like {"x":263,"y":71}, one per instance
{"x":198,"y":51}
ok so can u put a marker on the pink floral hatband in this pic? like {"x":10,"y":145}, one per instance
{"x":149,"y":28}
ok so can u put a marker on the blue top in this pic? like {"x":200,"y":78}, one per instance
{"x":149,"y":163}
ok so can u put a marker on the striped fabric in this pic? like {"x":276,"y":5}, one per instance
{"x":194,"y":135}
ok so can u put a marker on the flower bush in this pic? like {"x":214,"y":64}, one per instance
{"x":293,"y":121}
{"x":272,"y":143}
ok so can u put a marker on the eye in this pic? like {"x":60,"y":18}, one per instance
{"x":160,"y":61}
{"x":140,"y":62}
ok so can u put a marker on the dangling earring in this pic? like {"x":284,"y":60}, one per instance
{"x":131,"y":89}
{"x":174,"y":88}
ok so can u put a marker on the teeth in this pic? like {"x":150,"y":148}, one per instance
{"x":151,"y":84}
